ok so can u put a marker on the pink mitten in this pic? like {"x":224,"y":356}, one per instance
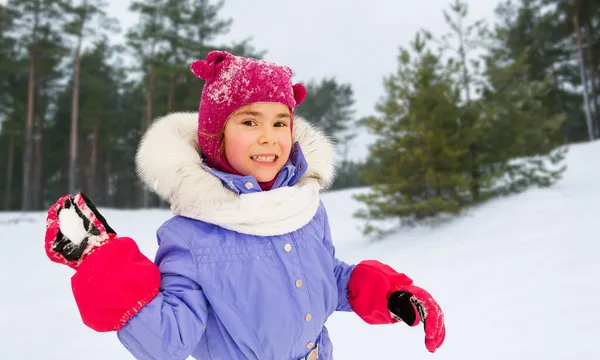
{"x":381,"y":295}
{"x":412,"y":304}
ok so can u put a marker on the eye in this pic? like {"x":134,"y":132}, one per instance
{"x":280,"y":124}
{"x":249,"y":122}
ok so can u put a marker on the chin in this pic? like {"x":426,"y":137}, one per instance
{"x":263,"y":172}
{"x":265,"y":178}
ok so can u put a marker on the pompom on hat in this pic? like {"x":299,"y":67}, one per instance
{"x":231,"y":83}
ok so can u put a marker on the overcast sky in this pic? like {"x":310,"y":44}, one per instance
{"x":357,"y":42}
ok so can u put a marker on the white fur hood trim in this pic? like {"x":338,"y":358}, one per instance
{"x":168,"y":161}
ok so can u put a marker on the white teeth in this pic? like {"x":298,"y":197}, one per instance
{"x":263,"y":158}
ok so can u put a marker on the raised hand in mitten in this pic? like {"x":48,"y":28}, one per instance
{"x":413,"y":305}
{"x":113,"y":279}
{"x":74,"y":229}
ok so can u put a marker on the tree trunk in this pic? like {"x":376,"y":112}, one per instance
{"x":172,"y":83}
{"x":139,"y":185}
{"x":82,"y":166}
{"x":92,"y":191}
{"x":582,"y":69}
{"x":38,"y":173}
{"x":594,"y":74}
{"x":27,"y":159}
{"x":74,"y":120}
{"x":106,"y":188}
{"x":176,"y":61}
{"x":561,"y":103}
{"x":9,"y":171}
{"x":38,"y":199}
{"x":474,"y":166}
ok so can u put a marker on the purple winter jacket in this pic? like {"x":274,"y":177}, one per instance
{"x":246,"y":274}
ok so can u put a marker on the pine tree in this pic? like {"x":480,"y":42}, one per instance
{"x":34,"y":27}
{"x":147,"y":40}
{"x":521,"y":138}
{"x":9,"y":104}
{"x":7,"y":58}
{"x":349,"y":174}
{"x":201,"y":25}
{"x":462,"y":42}
{"x":508,"y":105}
{"x":575,"y":27}
{"x":329,"y":106}
{"x":190,"y":30}
{"x":48,"y":78}
{"x":544,"y":32}
{"x":416,"y":172}
{"x":88,"y":19}
{"x":8,"y":133}
{"x":108,"y":131}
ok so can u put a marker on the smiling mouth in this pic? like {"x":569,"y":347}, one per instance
{"x":265,"y":159}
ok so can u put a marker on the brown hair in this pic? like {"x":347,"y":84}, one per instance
{"x":221,"y":136}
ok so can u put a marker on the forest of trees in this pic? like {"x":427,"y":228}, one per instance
{"x":455,"y":127}
{"x":72,"y":116}
{"x":483,"y":111}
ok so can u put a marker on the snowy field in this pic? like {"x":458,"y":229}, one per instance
{"x":518,"y":278}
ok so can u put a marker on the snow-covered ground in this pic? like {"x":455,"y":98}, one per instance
{"x":518,"y":278}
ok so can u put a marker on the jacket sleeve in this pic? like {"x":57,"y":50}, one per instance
{"x":171,"y":325}
{"x":341,"y":270}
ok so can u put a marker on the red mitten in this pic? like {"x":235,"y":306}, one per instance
{"x":114,"y":280}
{"x":380,"y":295}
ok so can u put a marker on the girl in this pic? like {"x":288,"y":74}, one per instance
{"x":246,"y":268}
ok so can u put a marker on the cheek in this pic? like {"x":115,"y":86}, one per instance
{"x":236,"y":148}
{"x":285,"y":142}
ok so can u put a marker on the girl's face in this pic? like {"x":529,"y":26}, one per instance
{"x":258,"y":139}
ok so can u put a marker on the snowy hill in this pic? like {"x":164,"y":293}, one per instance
{"x":518,"y":278}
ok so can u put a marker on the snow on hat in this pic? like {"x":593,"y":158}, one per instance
{"x":231,"y":83}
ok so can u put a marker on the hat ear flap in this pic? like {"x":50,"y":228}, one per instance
{"x":299,"y":93}
{"x":206,"y":69}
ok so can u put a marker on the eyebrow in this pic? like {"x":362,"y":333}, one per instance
{"x":258,"y":113}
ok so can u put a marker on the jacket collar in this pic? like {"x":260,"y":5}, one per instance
{"x":168,"y":162}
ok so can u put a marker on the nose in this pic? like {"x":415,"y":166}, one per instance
{"x":267,"y":135}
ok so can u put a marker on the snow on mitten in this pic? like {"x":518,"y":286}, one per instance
{"x":74,"y":229}
{"x":413,"y":305}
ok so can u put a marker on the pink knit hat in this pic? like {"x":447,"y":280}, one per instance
{"x":231,"y":83}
